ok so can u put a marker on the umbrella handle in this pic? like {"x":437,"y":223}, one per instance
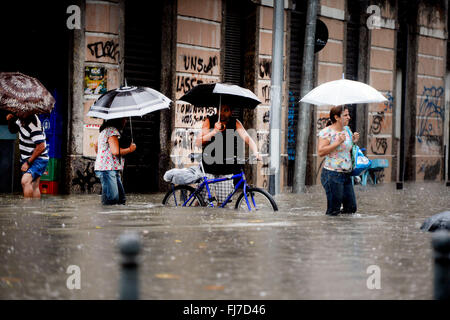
{"x":131,"y":129}
{"x":220,"y":105}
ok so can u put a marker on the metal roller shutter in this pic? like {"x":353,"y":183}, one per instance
{"x":298,"y":21}
{"x":142,"y":68}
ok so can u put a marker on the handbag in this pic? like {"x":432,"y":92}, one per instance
{"x":360,"y":162}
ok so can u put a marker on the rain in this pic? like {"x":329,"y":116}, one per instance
{"x":214,"y":253}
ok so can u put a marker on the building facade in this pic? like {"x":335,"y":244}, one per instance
{"x":398,"y":47}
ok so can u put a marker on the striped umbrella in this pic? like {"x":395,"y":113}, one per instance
{"x":128,"y":102}
{"x":24,"y":95}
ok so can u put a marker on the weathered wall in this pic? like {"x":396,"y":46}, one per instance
{"x":382,"y":77}
{"x":198,"y":60}
{"x":330,"y":66}
{"x":429,"y":122}
{"x":97,"y":44}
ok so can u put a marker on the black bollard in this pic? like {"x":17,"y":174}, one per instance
{"x":441,"y":246}
{"x":129,"y":245}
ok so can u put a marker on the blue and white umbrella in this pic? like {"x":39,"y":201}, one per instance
{"x":128,"y":102}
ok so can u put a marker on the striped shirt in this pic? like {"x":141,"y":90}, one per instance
{"x":30,"y":135}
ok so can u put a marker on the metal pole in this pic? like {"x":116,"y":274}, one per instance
{"x":304,"y":121}
{"x":441,"y":255}
{"x":405,"y":74}
{"x":129,"y":245}
{"x":276,"y":96}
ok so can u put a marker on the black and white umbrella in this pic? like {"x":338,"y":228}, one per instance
{"x":128,"y":102}
{"x":218,"y":94}
{"x":215,"y":94}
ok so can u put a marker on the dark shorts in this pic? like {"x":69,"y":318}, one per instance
{"x":37,"y":168}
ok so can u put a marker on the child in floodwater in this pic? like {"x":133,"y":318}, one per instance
{"x":109,"y":161}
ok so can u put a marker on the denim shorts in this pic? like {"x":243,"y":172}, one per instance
{"x":37,"y":168}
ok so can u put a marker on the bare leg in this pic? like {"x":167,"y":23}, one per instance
{"x":27,"y":185}
{"x":36,"y":191}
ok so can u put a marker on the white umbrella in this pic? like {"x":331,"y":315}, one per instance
{"x":341,"y":92}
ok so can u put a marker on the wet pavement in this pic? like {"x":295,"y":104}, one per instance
{"x":210,"y":253}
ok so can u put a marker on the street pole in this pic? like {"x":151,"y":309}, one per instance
{"x":129,"y":245}
{"x":441,"y":255}
{"x":304,"y":121}
{"x":276,"y":96}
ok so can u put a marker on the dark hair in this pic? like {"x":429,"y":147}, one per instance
{"x":116,"y":123}
{"x":335,"y":111}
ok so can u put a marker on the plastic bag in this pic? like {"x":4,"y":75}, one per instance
{"x":360,"y":162}
{"x":183,"y":176}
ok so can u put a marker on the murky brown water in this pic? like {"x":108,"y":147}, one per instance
{"x":209,"y":253}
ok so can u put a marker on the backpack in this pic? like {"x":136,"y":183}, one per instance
{"x":360,"y":162}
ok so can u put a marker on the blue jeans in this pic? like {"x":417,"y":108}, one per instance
{"x":339,"y":190}
{"x":112,"y":188}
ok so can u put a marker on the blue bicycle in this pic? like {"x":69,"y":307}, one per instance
{"x":251,"y":198}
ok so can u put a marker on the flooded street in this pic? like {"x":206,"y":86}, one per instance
{"x":210,"y":253}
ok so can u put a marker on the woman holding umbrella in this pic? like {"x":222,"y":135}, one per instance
{"x":114,"y":107}
{"x":109,"y":161}
{"x":335,"y":144}
{"x":335,"y":141}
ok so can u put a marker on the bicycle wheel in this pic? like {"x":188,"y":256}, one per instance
{"x":258,"y":199}
{"x":179,"y":194}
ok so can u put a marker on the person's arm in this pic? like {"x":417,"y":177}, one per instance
{"x":325,"y":147}
{"x":96,"y":146}
{"x":116,"y":150}
{"x":247,"y":139}
{"x":12,"y":126}
{"x":36,"y":153}
{"x":206,"y":134}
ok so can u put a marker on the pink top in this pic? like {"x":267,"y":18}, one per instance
{"x":105,"y":159}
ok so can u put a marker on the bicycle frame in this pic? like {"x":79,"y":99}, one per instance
{"x":206,"y":183}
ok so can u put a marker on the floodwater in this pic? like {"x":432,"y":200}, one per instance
{"x":211,"y":253}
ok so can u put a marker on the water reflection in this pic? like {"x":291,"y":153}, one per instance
{"x":193,"y":253}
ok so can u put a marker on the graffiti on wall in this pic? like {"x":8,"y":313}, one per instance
{"x":198,"y":64}
{"x":265,"y":93}
{"x":377,"y":121}
{"x":380,"y":146}
{"x":191,"y":116}
{"x":322,"y":123}
{"x":265,"y":68}
{"x":184,"y":83}
{"x":430,"y":171}
{"x":430,"y":110}
{"x":263,"y":142}
{"x":183,"y":143}
{"x":389,"y":104}
{"x":107,"y":49}
{"x":87,"y":179}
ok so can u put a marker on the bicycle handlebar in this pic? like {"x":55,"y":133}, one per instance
{"x":199,"y":156}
